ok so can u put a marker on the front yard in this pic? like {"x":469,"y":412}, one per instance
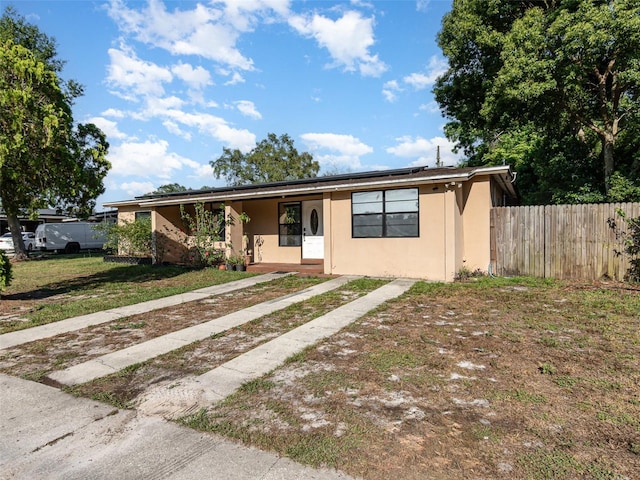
{"x":497,"y":378}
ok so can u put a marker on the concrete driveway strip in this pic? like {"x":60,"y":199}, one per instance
{"x":46,"y":434}
{"x":115,"y":361}
{"x":19,"y":337}
{"x":222,"y":381}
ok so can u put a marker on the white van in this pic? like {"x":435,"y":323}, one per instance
{"x":68,"y":237}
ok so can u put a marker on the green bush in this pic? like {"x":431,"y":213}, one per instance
{"x":6,"y":275}
{"x":129,"y":238}
{"x":631,"y":241}
{"x":206,"y":229}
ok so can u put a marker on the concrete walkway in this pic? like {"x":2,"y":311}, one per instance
{"x":221,"y":382}
{"x":177,"y":399}
{"x":19,"y":337}
{"x":113,"y":362}
{"x":46,"y":434}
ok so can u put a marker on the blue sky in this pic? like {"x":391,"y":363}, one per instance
{"x":173,"y":82}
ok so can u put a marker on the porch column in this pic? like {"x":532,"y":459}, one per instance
{"x":234,"y":231}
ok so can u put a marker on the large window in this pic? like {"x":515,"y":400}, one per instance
{"x":385,"y":213}
{"x":290,"y":224}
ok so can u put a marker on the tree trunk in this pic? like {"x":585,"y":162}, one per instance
{"x":608,"y":142}
{"x":16,"y":234}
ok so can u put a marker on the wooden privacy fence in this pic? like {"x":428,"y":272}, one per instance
{"x":559,"y":241}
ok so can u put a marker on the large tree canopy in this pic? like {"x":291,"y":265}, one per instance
{"x":274,"y":159}
{"x":45,"y":161}
{"x":550,"y":87}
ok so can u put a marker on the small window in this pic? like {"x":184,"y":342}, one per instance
{"x":141,"y":215}
{"x":290,"y":224}
{"x":390,"y":213}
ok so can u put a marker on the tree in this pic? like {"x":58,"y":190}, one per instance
{"x":274,"y":159}
{"x":44,"y":160}
{"x":561,"y":76}
{"x":169,"y":188}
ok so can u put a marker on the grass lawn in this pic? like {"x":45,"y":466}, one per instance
{"x":62,"y":286}
{"x":495,"y":378}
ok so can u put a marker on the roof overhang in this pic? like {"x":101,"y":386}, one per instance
{"x":502,"y":174}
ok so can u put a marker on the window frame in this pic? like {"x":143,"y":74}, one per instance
{"x":287,"y":225}
{"x":384,"y":213}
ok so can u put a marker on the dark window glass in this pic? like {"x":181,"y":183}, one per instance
{"x":385,"y":213}
{"x":290,"y":224}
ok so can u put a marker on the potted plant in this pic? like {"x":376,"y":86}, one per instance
{"x":230,"y":264}
{"x":238,"y":263}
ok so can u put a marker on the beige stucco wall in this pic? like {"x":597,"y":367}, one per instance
{"x":476,"y":225}
{"x":454,"y":232}
{"x":421,"y":257}
{"x":127,"y":214}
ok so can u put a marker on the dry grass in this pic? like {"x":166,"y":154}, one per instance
{"x":497,"y":379}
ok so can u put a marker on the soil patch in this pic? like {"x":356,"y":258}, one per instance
{"x":461,"y":381}
{"x":36,"y":359}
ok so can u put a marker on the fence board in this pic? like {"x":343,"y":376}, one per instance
{"x":560,"y":241}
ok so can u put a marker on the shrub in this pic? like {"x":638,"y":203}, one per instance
{"x":631,"y":242}
{"x":129,"y":238}
{"x":466,"y":274}
{"x":6,"y":275}
{"x":206,"y":228}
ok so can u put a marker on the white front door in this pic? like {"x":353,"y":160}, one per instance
{"x":312,"y":230}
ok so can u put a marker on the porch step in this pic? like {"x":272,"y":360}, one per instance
{"x":308,"y":269}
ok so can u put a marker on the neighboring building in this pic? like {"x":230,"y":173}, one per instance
{"x":49,"y":215}
{"x":413,"y":222}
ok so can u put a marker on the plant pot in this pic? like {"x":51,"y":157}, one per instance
{"x":222,"y":266}
{"x":229,"y":266}
{"x":241,"y":267}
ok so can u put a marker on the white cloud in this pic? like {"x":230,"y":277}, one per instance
{"x":209,"y":32}
{"x":348,"y":40}
{"x":423,"y":151}
{"x":431,"y":107}
{"x":436,"y":67}
{"x":197,"y":78}
{"x":149,"y":159}
{"x":113,"y":112}
{"x":422,"y":5}
{"x":136,"y":189}
{"x":215,"y":127}
{"x":390,"y":90}
{"x":135,"y":77}
{"x":248,"y":109}
{"x":346,"y":150}
{"x":109,"y":127}
{"x":235,"y":79}
{"x":173,"y":127}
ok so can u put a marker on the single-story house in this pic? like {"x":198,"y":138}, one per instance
{"x":411,"y":222}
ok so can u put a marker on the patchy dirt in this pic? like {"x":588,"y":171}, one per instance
{"x":461,"y":382}
{"x":134,"y":385}
{"x":491,"y":379}
{"x":36,"y":359}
